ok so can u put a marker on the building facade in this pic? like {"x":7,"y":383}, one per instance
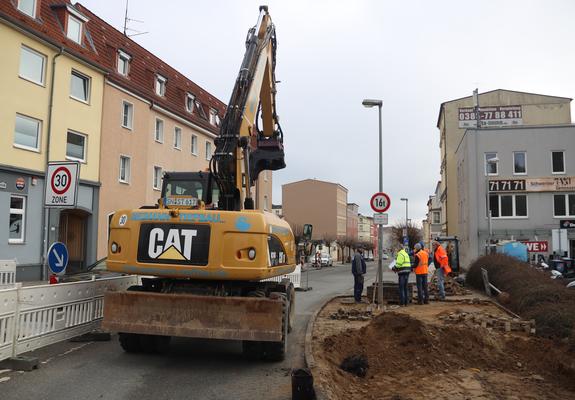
{"x":322,"y":204}
{"x":50,"y":110}
{"x":497,"y":108}
{"x":352,"y":221}
{"x":530,"y":183}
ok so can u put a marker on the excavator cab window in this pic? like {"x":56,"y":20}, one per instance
{"x":185,"y":188}
{"x":276,"y":251}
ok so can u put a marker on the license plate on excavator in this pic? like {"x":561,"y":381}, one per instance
{"x":213,"y":317}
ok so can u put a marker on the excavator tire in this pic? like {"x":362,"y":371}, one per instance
{"x":130,"y":342}
{"x":276,"y":351}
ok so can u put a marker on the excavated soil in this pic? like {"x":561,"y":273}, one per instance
{"x":413,"y":353}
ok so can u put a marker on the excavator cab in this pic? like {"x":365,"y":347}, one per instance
{"x":189,"y":190}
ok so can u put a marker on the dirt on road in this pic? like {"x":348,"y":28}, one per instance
{"x":445,"y":350}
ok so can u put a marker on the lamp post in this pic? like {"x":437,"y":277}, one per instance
{"x":406,"y":220}
{"x":489,"y":162}
{"x":379,"y":104}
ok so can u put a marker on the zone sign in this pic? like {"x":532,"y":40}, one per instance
{"x":380,"y":202}
{"x":62,"y":184}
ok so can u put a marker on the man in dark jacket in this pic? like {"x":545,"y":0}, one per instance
{"x":358,"y":269}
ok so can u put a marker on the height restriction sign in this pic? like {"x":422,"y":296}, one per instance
{"x":380,"y":202}
{"x":62,"y":184}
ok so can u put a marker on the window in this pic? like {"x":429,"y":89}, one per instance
{"x":194,"y":145}
{"x":127,"y":114}
{"x":32,"y":65}
{"x":208,"y":150}
{"x":17,"y":219}
{"x":80,"y":87}
{"x":436,"y":217}
{"x":159,"y":131}
{"x":558,"y":162}
{"x":161,"y":85}
{"x":177,"y":138}
{"x":27,"y":133}
{"x":564,"y":205}
{"x":76,"y":146}
{"x":508,"y":205}
{"x":74,"y":29}
{"x":124,"y":169}
{"x":213,"y":116}
{"x":491,"y":167}
{"x":123,"y":63}
{"x":27,"y":7}
{"x":519,"y":163}
{"x":157,"y":183}
{"x":190,"y":99}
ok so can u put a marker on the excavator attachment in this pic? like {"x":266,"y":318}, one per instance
{"x":186,"y":315}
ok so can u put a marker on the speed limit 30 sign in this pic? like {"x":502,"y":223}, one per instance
{"x":62,"y":184}
{"x":380,"y":202}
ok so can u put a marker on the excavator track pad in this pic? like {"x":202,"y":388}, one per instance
{"x":212,"y":317}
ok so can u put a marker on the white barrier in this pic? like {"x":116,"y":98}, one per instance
{"x":7,"y":273}
{"x":294,"y":277}
{"x":36,"y":316}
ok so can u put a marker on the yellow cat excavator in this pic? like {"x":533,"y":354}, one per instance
{"x":204,"y":252}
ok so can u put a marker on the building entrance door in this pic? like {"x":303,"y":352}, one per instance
{"x":72,"y":233}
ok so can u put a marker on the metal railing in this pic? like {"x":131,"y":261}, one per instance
{"x":294,"y":277}
{"x":36,"y":316}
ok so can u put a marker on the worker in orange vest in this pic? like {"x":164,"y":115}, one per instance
{"x":442,"y":267}
{"x":421,"y":258}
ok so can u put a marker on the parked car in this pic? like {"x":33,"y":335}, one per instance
{"x":385,"y":256}
{"x":326,"y":260}
{"x":98,"y":269}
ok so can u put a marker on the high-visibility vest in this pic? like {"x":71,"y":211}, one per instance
{"x":402,"y":261}
{"x":441,"y":258}
{"x":421,"y":268}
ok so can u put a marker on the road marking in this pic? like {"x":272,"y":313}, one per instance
{"x":4,"y":379}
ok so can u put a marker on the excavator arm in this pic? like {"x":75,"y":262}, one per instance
{"x":243,"y":148}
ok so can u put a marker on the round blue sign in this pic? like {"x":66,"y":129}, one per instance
{"x":58,"y":258}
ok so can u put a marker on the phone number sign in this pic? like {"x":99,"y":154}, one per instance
{"x":62,"y":184}
{"x":491,"y":116}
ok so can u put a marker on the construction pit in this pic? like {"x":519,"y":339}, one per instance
{"x":464,"y":348}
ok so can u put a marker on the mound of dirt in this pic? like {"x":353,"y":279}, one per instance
{"x":412,"y":359}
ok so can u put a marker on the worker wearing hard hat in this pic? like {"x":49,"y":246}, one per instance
{"x":420,"y":263}
{"x":402,"y":268}
{"x":442,"y":267}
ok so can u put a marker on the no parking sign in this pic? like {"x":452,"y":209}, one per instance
{"x":62,"y":184}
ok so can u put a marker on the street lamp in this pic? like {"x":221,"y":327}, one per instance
{"x":406,"y":218}
{"x":489,"y":162}
{"x":369,"y":103}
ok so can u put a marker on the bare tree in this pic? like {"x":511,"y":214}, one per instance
{"x":414,"y":234}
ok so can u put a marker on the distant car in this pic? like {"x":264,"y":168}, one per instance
{"x":385,"y":256}
{"x":326,"y":260}
{"x":98,"y":270}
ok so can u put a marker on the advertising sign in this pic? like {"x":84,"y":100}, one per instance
{"x":548,"y":184}
{"x":491,"y":116}
{"x":541,"y":246}
{"x":567,"y":224}
{"x":62,"y":184}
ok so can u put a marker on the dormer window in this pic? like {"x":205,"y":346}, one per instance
{"x":28,"y":7}
{"x":161,"y":85}
{"x":190,"y":99}
{"x":123,"y":63}
{"x":213,"y":117}
{"x":74,"y":29}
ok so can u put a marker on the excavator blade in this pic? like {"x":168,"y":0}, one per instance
{"x":212,"y":317}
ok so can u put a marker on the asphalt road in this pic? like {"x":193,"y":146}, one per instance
{"x":192,"y":368}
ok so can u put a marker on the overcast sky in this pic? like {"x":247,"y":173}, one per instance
{"x":332,"y":54}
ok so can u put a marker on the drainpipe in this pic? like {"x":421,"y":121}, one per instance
{"x":45,"y":210}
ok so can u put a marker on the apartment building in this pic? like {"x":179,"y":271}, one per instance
{"x":528,"y":174}
{"x":498,"y":108}
{"x":322,"y":204}
{"x":432,"y":226}
{"x":352,"y":221}
{"x":50,"y":110}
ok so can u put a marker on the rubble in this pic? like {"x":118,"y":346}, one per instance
{"x":498,"y":323}
{"x":452,"y":287}
{"x":352,"y":315}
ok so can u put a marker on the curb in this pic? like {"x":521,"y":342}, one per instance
{"x":308,"y":351}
